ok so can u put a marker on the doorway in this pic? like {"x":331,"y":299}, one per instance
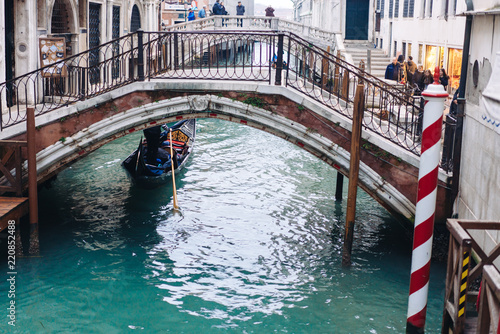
{"x":356,"y":21}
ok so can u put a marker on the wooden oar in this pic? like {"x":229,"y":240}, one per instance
{"x":176,"y":205}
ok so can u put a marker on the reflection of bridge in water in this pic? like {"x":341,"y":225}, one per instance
{"x":149,"y":78}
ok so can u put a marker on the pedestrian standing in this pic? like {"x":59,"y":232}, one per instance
{"x":202,"y":13}
{"x":391,"y":71}
{"x":443,"y":78}
{"x":191,"y":16}
{"x":216,"y":9}
{"x":270,"y":11}
{"x":428,"y":78}
{"x":240,"y":10}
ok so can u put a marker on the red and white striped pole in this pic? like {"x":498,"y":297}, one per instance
{"x":435,"y":96}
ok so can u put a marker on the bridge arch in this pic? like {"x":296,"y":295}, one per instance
{"x":57,"y":156}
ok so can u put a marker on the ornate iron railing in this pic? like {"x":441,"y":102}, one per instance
{"x":76,"y":78}
{"x":274,"y":57}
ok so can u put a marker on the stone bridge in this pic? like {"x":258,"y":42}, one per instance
{"x":171,"y":77}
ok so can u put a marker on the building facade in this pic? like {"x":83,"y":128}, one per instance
{"x":82,"y":23}
{"x":479,"y":192}
{"x":352,"y":18}
{"x":430,"y":31}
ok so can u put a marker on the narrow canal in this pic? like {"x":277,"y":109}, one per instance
{"x":257,"y":248}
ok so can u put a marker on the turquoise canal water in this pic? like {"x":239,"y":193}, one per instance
{"x":256,"y":248}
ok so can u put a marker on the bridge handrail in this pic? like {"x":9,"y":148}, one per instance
{"x":463,"y":269}
{"x":232,"y":22}
{"x":229,"y":55}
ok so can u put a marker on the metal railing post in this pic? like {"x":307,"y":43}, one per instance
{"x":140,"y":55}
{"x":279,"y":60}
{"x":176,"y":51}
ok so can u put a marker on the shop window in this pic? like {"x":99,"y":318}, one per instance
{"x":409,"y":49}
{"x":420,"y":53}
{"x":454,"y":67}
{"x":433,"y":57}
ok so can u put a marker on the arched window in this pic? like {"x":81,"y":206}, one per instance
{"x":60,"y":18}
{"x":135,"y":23}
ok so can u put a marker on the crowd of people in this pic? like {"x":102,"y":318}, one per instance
{"x":417,"y":79}
{"x":219,"y":9}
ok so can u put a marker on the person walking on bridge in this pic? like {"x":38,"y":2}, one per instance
{"x":217,"y":9}
{"x":270,"y":11}
{"x":240,"y":10}
{"x":202,"y":13}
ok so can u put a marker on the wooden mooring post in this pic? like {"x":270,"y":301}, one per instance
{"x":339,"y":187}
{"x":357,"y":121}
{"x":34,"y":247}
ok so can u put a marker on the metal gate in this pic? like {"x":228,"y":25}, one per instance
{"x":115,"y":34}
{"x":94,"y":40}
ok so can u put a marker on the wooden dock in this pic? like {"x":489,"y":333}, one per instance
{"x":12,"y":208}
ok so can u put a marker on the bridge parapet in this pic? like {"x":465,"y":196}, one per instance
{"x":316,"y":35}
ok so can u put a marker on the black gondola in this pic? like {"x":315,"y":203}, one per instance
{"x":150,"y":164}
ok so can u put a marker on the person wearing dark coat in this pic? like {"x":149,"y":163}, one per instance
{"x":216,"y":9}
{"x":392,"y":70}
{"x":428,"y":78}
{"x":270,"y":11}
{"x":418,"y":79}
{"x":191,"y":16}
{"x":240,"y":10}
{"x":443,"y":78}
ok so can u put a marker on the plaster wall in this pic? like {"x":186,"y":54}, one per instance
{"x":2,"y":44}
{"x":422,"y":31}
{"x":479,"y":193}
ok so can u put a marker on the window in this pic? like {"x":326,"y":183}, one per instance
{"x":430,"y":8}
{"x":391,"y":7}
{"x":405,"y":8}
{"x":454,"y":7}
{"x":411,"y":8}
{"x":423,"y":9}
{"x":396,"y":8}
{"x":409,"y":49}
{"x":420,"y":53}
{"x":454,"y":66}
{"x":395,"y":48}
{"x":381,"y":43}
{"x":404,"y":50}
{"x":135,"y":23}
{"x":382,"y":8}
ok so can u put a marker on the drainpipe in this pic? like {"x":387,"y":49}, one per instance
{"x":461,"y":105}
